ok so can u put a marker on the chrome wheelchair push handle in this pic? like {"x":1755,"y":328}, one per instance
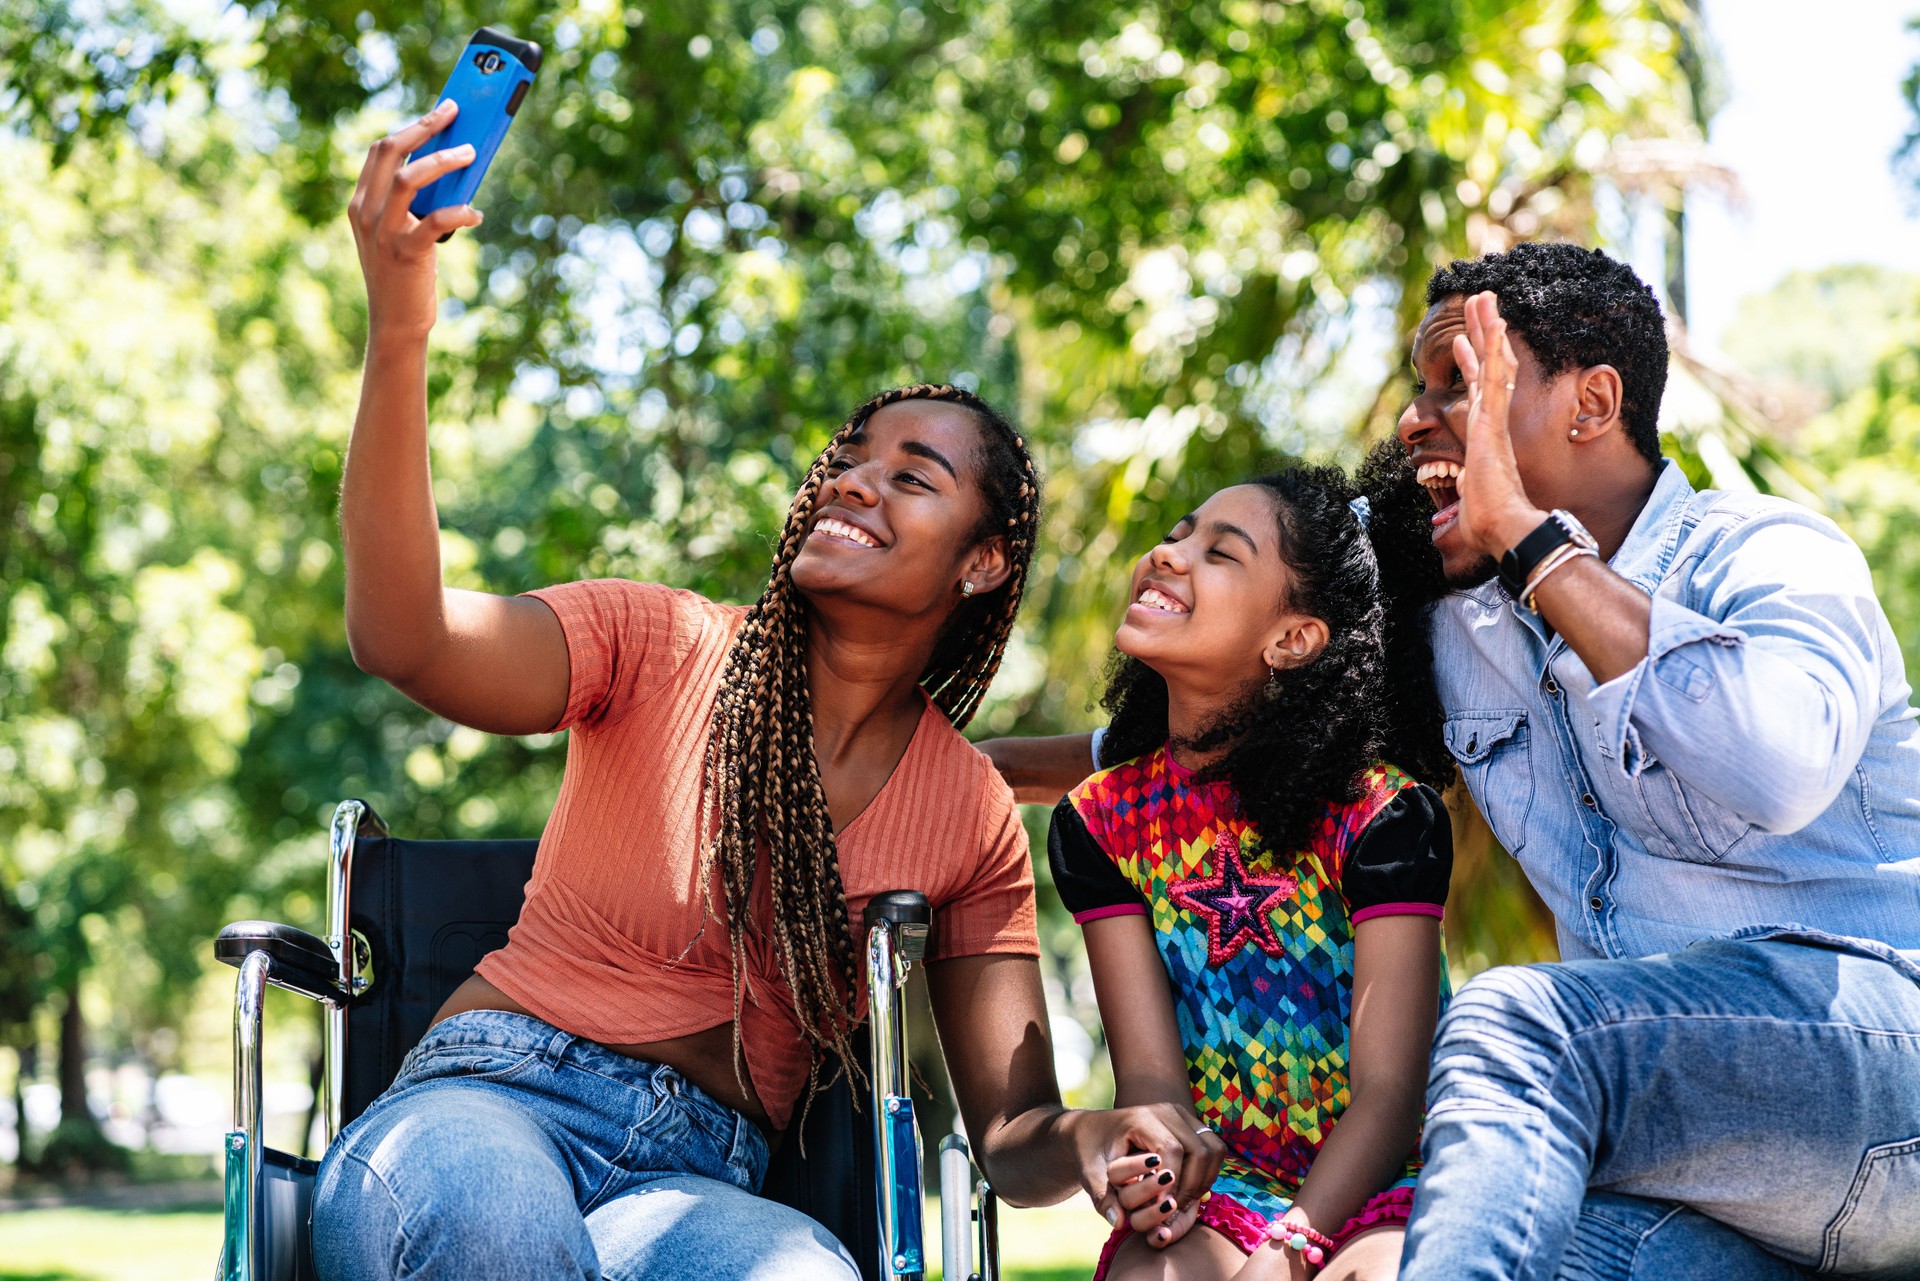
{"x":239,"y":1258}
{"x":897,"y":929}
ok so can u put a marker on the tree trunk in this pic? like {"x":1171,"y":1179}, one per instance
{"x":24,"y":1067}
{"x":73,"y":1060}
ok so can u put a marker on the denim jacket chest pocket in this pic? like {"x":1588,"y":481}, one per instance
{"x":1678,"y":822}
{"x":1494,"y":754}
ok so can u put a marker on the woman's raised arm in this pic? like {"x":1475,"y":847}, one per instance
{"x":495,"y":663}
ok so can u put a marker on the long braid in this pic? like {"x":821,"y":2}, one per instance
{"x":762,"y":782}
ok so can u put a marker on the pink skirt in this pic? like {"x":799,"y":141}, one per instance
{"x":1249,"y":1231}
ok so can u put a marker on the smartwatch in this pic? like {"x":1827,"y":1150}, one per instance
{"x":1557,"y":530}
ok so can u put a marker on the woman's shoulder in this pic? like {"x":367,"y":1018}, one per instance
{"x":940,"y":752}
{"x":628,"y":641}
{"x":626,"y":604}
{"x":633,"y":593}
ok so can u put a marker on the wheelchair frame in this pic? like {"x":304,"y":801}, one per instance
{"x":330,"y":971}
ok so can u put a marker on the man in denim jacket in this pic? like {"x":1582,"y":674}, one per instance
{"x":1694,"y":732}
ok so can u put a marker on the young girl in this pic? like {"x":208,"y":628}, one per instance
{"x":1259,"y":869}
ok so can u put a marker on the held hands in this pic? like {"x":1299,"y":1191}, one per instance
{"x":396,"y":248}
{"x":1494,"y":510}
{"x":1150,"y":1166}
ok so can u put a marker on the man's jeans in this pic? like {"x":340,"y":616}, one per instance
{"x":508,"y":1148}
{"x":1769,"y":1084}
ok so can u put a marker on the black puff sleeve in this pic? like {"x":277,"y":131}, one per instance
{"x":1090,"y":885}
{"x":1402,"y":860}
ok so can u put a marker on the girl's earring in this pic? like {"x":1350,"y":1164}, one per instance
{"x":1273,"y":679}
{"x":966,"y":587}
{"x":1575,"y":433}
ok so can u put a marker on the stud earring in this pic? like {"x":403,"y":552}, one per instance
{"x":1575,"y":433}
{"x":966,"y":587}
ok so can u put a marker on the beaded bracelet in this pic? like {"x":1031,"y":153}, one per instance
{"x":1313,"y":1246}
{"x":1560,"y":556}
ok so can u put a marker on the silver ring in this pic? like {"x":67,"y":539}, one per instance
{"x":1207,"y":1129}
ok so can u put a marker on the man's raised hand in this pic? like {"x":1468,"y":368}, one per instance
{"x":1494,"y":510}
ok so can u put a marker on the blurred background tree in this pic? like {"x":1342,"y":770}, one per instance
{"x":1180,"y":240}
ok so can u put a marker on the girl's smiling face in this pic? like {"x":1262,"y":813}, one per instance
{"x":1208,"y":605}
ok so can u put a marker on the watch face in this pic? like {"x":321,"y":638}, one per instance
{"x":1575,"y":530}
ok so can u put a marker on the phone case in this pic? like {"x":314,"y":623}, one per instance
{"x":491,"y":79}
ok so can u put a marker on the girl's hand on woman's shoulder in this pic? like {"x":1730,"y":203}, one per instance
{"x":1150,"y":1164}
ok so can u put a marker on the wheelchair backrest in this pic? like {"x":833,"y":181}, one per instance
{"x":429,"y":911}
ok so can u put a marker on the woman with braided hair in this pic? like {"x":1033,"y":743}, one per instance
{"x":601,"y":1096}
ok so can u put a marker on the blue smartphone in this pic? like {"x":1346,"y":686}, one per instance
{"x":489,"y":83}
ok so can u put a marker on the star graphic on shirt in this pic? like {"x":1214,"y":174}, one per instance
{"x":1235,"y":903}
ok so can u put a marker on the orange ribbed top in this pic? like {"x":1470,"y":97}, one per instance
{"x":614,"y":943}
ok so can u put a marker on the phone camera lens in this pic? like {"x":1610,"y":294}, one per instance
{"x":488,"y":62}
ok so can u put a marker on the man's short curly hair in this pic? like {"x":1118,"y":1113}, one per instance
{"x":1576,"y":308}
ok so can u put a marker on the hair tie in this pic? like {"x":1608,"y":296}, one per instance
{"x":1362,"y":511}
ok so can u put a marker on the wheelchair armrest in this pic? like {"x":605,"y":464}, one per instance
{"x":296,"y":960}
{"x":910,"y":915}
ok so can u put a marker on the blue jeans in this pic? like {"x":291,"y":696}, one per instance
{"x":508,"y":1148}
{"x":1743,"y":1108}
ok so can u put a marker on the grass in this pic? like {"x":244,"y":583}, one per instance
{"x":108,"y":1245}
{"x":1058,"y":1244}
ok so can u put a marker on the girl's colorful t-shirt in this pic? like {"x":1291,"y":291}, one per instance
{"x":1259,"y":950}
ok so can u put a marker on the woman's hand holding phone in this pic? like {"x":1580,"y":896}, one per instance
{"x":397,"y":256}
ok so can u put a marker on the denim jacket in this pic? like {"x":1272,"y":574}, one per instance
{"x":1760,"y":767}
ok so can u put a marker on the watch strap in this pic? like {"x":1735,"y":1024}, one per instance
{"x":1525,"y":556}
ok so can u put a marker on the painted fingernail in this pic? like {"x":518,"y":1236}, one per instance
{"x":1166,"y":1176}
{"x":1166,"y":1206}
{"x":1113,"y":1216}
{"x":1153,"y":1162}
{"x":1163,"y":1235}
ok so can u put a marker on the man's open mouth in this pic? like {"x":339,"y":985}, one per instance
{"x":1442,"y":482}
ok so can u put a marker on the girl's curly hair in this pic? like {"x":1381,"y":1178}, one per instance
{"x":1302,"y":740}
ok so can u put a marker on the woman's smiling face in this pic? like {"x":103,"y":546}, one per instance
{"x":896,"y":522}
{"x":1210,"y":601}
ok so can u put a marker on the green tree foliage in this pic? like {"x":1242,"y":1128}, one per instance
{"x":1821,"y":333}
{"x":1849,"y":337}
{"x":1869,"y":451}
{"x":1180,"y":240}
{"x":166,"y":352}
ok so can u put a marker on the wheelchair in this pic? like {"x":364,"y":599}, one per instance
{"x":407,"y":922}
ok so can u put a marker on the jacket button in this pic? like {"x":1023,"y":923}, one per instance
{"x":1588,"y":801}
{"x":1553,"y":686}
{"x":1595,"y":903}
